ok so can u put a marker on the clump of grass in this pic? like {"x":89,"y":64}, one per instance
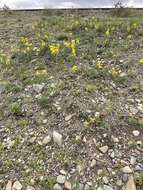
{"x":44,"y":102}
{"x":16,"y":109}
{"x":47,"y":183}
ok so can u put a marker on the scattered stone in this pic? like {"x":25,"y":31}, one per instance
{"x":32,"y":181}
{"x":61,"y":179}
{"x":139,"y":168}
{"x":67,"y":118}
{"x":119,"y":183}
{"x":30,"y":188}
{"x":115,"y":139}
{"x":127,"y":170}
{"x":105,"y":180}
{"x":134,"y":111}
{"x":103,"y":149}
{"x":57,"y":187}
{"x":57,"y":138}
{"x":125,"y":178}
{"x":9,"y":185}
{"x":130,"y":184}
{"x":99,"y":188}
{"x":80,"y":186}
{"x":32,"y":140}
{"x":46,"y":140}
{"x":106,"y":187}
{"x":136,"y":133}
{"x":38,"y":87}
{"x":68,"y":185}
{"x":86,"y":187}
{"x":45,"y":121}
{"x":63,"y":172}
{"x":112,"y":155}
{"x":132,"y":160}
{"x":17,"y":186}
{"x":93,"y":163}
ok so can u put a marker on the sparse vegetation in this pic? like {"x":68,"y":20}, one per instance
{"x":79,"y":74}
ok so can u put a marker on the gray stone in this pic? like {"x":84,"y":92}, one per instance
{"x":133,"y":160}
{"x":61,"y":179}
{"x":46,"y":140}
{"x":86,"y":187}
{"x":38,"y":87}
{"x":2,"y":88}
{"x":80,"y":186}
{"x":57,"y":138}
{"x":125,"y":178}
{"x":105,"y":180}
{"x":106,"y":187}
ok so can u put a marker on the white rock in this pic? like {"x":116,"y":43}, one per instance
{"x":30,"y":188}
{"x":115,"y":139}
{"x":136,"y":133}
{"x":67,"y":118}
{"x":68,"y":185}
{"x":17,"y":186}
{"x":133,"y":160}
{"x":105,"y":180}
{"x":9,"y":185}
{"x":46,"y":140}
{"x":57,"y":138}
{"x":57,"y":187}
{"x":32,"y":139}
{"x":63,"y":172}
{"x":38,"y":87}
{"x":127,"y":170}
{"x":103,"y":149}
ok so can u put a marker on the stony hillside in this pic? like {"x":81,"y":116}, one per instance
{"x":71,"y":101}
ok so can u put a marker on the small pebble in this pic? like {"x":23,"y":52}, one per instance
{"x":61,"y":179}
{"x":136,"y":133}
{"x":103,"y":149}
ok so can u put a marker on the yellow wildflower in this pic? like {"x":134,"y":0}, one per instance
{"x":41,"y":72}
{"x":67,"y":44}
{"x":54,"y":49}
{"x":74,"y":69}
{"x":73,"y":47}
{"x":114,"y":72}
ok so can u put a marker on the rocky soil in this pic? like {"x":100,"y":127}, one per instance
{"x":69,"y":130}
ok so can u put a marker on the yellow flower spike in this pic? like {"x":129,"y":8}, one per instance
{"x":74,"y":69}
{"x":73,"y":47}
{"x":77,"y":41}
{"x":99,"y":65}
{"x":107,"y":32}
{"x":54,"y":49}
{"x":114,"y":72}
{"x":41,"y":72}
{"x":67,"y":44}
